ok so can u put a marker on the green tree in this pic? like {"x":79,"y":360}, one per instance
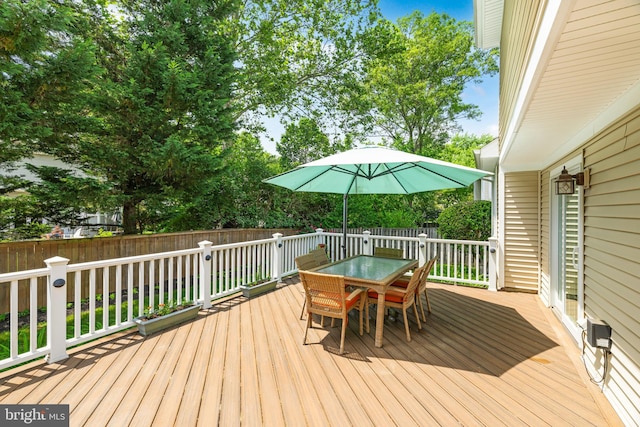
{"x":302,"y":143}
{"x":46,"y":67}
{"x":460,"y":148}
{"x":61,"y":196}
{"x":243,"y":199}
{"x":18,"y":218}
{"x":295,"y":55}
{"x":164,"y":105}
{"x":460,"y":151}
{"x":466,"y":221}
{"x":412,"y":89}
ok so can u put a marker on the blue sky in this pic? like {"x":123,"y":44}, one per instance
{"x":484,"y":95}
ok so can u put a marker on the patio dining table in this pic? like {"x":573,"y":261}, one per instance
{"x":376,"y":273}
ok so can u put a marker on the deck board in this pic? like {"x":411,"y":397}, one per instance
{"x":482,"y":358}
{"x":212,"y":392}
{"x":190,"y":400}
{"x":177,"y":388}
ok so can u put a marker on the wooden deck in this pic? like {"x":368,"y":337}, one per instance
{"x":484,"y":358}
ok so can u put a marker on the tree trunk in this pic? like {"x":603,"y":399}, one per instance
{"x":129,"y":217}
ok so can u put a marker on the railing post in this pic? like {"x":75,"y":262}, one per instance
{"x":319,"y":236}
{"x":276,"y":266}
{"x":57,"y":309}
{"x":493,"y":263}
{"x":367,"y":244}
{"x":422,"y":249}
{"x":205,"y":273}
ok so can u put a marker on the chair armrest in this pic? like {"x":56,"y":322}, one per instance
{"x":398,"y":289}
{"x":354,"y":294}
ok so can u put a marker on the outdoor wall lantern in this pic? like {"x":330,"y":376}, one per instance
{"x":566,"y":183}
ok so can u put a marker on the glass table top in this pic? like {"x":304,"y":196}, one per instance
{"x":367,"y":267}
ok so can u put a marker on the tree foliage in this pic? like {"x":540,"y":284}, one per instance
{"x":294,"y":55}
{"x":411,"y":93}
{"x":147,"y":98}
{"x":46,"y":66}
{"x":459,"y":151}
{"x":460,"y":148}
{"x":304,"y":142}
{"x":243,"y":200}
{"x":466,"y":221}
{"x":163,"y":104}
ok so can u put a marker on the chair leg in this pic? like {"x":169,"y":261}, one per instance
{"x":362,"y":300}
{"x":406,"y":323}
{"x":342,"y":335}
{"x":424,"y":318}
{"x":426,"y":295}
{"x":415,"y":311}
{"x":306,"y":330}
{"x":304,"y":304}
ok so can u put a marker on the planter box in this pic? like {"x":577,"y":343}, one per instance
{"x":255,"y":290}
{"x":151,"y":326}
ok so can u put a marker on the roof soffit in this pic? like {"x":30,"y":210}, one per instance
{"x":586,"y":75}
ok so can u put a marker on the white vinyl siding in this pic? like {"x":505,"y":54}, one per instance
{"x":521,"y":230}
{"x":612,"y":254}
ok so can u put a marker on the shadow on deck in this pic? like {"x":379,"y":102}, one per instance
{"x":483,"y":358}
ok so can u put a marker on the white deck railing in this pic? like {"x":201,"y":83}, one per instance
{"x":105,"y":296}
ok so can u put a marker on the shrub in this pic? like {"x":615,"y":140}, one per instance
{"x":466,"y":221}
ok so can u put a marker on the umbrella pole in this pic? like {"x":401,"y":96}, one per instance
{"x":344,"y":225}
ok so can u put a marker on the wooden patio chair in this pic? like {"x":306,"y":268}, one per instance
{"x":422,"y":286}
{"x":306,"y":262}
{"x":320,"y":257}
{"x":326,"y":295}
{"x":387,"y":252}
{"x":316,"y":258}
{"x":401,"y":298}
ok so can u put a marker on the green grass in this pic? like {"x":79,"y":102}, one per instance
{"x":471,"y":272}
{"x":24,"y":333}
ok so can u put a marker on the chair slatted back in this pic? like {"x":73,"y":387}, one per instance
{"x":387,"y":252}
{"x":320,"y":256}
{"x":306,"y":262}
{"x":425,"y":275}
{"x":325,"y":293}
{"x":414,"y":282}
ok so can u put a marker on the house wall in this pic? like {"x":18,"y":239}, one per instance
{"x":611,"y":215}
{"x":521,"y":241}
{"x":611,"y":228}
{"x":612,"y":254}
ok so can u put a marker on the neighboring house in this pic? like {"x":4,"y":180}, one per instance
{"x":91,"y":221}
{"x":570,"y":97}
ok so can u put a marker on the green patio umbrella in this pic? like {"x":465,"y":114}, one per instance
{"x":375,"y":170}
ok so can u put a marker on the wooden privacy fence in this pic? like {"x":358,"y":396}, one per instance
{"x":30,"y":255}
{"x":27,"y":255}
